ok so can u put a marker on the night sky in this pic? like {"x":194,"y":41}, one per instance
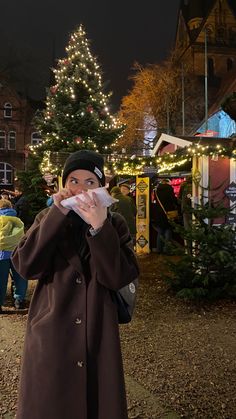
{"x":121,"y":32}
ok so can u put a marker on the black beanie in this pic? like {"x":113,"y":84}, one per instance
{"x":86,"y":160}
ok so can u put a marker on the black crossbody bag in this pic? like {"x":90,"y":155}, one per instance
{"x":125,"y":299}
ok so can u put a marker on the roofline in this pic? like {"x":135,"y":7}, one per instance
{"x":232,"y":10}
{"x":171,"y":140}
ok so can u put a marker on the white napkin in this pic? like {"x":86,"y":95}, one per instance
{"x":102,"y":194}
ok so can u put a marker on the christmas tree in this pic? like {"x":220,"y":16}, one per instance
{"x":76,"y":114}
{"x":76,"y":117}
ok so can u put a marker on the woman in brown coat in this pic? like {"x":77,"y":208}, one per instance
{"x":72,"y":364}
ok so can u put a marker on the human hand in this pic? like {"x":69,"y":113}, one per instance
{"x":91,"y":210}
{"x":59,"y":196}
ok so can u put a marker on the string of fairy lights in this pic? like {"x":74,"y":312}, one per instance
{"x":72,"y":72}
{"x":135,"y":165}
{"x":168,"y":161}
{"x":78,"y":69}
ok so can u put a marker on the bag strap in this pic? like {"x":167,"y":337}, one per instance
{"x":160,"y":203}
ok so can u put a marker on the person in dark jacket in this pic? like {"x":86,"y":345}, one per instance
{"x":126,"y":207}
{"x":165,"y":201}
{"x":185,"y":202}
{"x":125,"y":189}
{"x":21,"y":205}
{"x":72,"y":363}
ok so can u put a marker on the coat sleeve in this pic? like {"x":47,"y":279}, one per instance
{"x":112,"y":254}
{"x":33,"y":255}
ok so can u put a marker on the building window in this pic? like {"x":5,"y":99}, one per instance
{"x":209,"y":33}
{"x":232,"y":35}
{"x":211,"y":69}
{"x":2,"y":140}
{"x":35,"y":138}
{"x":220,"y":35}
{"x":7,"y":110}
{"x":6,"y":174}
{"x":230,"y":64}
{"x":12,"y":140}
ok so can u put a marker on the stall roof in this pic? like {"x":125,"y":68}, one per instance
{"x":187,"y":141}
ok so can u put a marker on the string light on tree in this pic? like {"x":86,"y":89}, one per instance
{"x":76,"y":114}
{"x":78,"y":140}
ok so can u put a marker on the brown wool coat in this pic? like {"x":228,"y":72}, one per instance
{"x":72,"y":364}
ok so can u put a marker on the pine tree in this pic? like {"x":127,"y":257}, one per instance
{"x":76,"y":117}
{"x":76,"y":114}
{"x":205,"y":268}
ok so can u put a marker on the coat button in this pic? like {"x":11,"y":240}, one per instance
{"x":78,"y":281}
{"x":80,"y":364}
{"x":78,"y":321}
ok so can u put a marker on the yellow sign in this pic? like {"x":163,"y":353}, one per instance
{"x":60,"y":182}
{"x":142,"y":217}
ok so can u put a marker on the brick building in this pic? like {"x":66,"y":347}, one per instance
{"x":213,"y":21}
{"x":206,"y":44}
{"x":16,"y":132}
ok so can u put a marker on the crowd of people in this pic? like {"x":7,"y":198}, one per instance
{"x":19,"y":203}
{"x":14,"y":204}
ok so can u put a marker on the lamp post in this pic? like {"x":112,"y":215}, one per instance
{"x":183,"y":99}
{"x":206,"y":83}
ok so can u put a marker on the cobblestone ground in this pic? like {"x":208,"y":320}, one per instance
{"x":179,"y":361}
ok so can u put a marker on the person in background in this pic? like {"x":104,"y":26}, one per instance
{"x":11,"y":232}
{"x":126,"y":207}
{"x":185,"y":202}
{"x":5,"y":195}
{"x":72,"y":363}
{"x":125,"y":189}
{"x":20,"y":204}
{"x":165,"y":201}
